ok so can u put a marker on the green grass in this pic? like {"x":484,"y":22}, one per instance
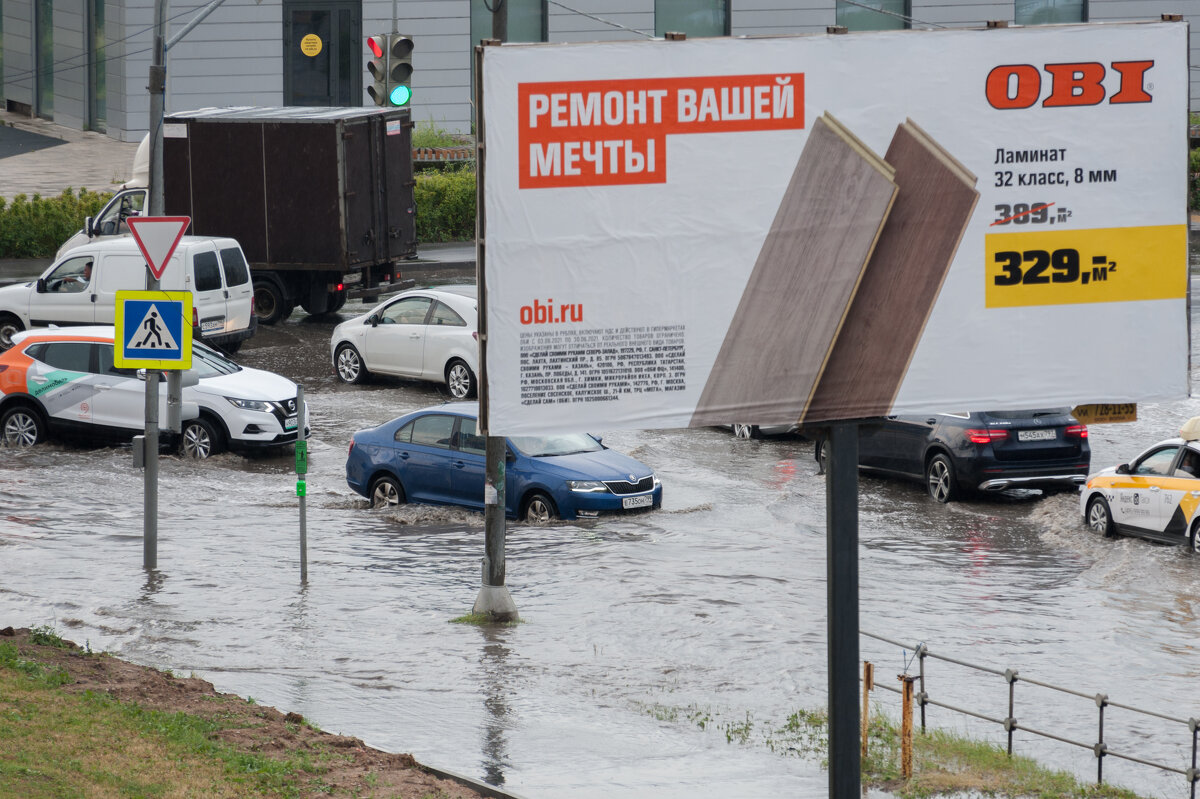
{"x":429,"y":134}
{"x":944,"y":763}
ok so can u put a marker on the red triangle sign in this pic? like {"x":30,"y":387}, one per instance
{"x":157,"y":237}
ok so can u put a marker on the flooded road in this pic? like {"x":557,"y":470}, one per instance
{"x":658,"y":655}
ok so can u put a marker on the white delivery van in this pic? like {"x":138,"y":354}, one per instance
{"x":80,"y":289}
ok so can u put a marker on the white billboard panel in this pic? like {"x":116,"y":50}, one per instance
{"x":823,"y":227}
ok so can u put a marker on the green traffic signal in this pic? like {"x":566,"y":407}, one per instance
{"x":400,"y":69}
{"x":400,"y":95}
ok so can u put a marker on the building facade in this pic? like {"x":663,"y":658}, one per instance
{"x":84,"y":64}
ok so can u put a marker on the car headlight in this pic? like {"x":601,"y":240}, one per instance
{"x":249,"y":405}
{"x":657,"y":482}
{"x":587,"y":486}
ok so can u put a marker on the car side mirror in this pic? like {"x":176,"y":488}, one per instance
{"x":599,"y":439}
{"x":1123,"y":468}
{"x":41,"y":285}
{"x":89,"y":226}
{"x":509,"y":456}
{"x":373,"y":320}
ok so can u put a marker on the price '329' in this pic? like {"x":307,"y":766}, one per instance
{"x":1033,"y":267}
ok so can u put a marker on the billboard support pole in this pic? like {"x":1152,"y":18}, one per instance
{"x":493,"y":599}
{"x":841,"y":526}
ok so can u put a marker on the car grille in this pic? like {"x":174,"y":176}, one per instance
{"x":625,"y":487}
{"x":282,"y":409}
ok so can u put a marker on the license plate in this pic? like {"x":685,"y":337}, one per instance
{"x":1035,"y":435}
{"x":637,"y":502}
{"x":209,"y":325}
{"x":351,"y":278}
{"x":289,"y":423}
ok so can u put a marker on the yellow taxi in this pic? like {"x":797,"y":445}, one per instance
{"x":1154,"y":496}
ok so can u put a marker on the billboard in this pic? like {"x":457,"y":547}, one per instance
{"x":812,"y":228}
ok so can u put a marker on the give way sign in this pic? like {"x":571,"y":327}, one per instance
{"x":157,"y":237}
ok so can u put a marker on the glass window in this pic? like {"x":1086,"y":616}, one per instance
{"x":118,"y":210}
{"x":208,"y":274}
{"x":1157,"y":462}
{"x":883,"y":15}
{"x":443,"y":314}
{"x":527,"y":21}
{"x":1045,"y":12}
{"x":468,"y":439}
{"x":107,"y":367}
{"x":693,"y":17}
{"x":72,"y":275}
{"x":561,"y":444}
{"x":70,"y":356}
{"x":404,"y":434}
{"x":207,"y":362}
{"x":408,"y":311}
{"x":236,"y":270}
{"x":433,"y":430}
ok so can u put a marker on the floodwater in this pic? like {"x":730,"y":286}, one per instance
{"x":658,"y":655}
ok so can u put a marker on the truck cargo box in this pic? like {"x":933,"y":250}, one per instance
{"x":328,"y":189}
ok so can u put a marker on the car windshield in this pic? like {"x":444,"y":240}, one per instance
{"x":563,"y":444}
{"x":207,"y":362}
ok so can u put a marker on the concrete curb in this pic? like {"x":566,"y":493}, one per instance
{"x":475,"y":785}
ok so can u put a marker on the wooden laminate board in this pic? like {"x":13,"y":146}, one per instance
{"x":901,"y":283}
{"x":803,"y":280}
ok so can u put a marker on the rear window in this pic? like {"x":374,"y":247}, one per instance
{"x":70,"y":356}
{"x":236,"y":270}
{"x":1032,"y":414}
{"x":208,"y":274}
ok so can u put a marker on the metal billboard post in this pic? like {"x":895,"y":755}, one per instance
{"x":494,"y":598}
{"x":841,"y":546}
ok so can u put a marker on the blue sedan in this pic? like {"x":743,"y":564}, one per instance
{"x":436,"y":456}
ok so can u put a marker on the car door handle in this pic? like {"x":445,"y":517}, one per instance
{"x":38,"y":379}
{"x":102,"y":387}
{"x":1196,"y":493}
{"x":1154,"y":489}
{"x":404,"y":456}
{"x":459,"y":464}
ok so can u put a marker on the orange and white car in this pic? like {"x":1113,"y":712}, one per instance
{"x":1154,"y":496}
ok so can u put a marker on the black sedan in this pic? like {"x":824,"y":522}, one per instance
{"x":955,"y":454}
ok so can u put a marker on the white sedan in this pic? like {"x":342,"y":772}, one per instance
{"x":424,"y":334}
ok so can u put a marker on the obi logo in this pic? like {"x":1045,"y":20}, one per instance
{"x":1063,"y":85}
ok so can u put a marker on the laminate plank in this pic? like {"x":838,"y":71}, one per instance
{"x":902,"y":281}
{"x":806,"y":273}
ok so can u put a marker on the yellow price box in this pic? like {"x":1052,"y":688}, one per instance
{"x":1072,"y":267}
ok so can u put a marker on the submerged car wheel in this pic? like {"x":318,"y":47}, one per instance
{"x":460,"y":379}
{"x":9,"y":326}
{"x":22,"y":427}
{"x":386,"y":491}
{"x":539,"y":509}
{"x":939,"y":478}
{"x":200,"y":439}
{"x":1194,"y":539}
{"x":1099,"y":518}
{"x":745,"y":431}
{"x":349,"y":365}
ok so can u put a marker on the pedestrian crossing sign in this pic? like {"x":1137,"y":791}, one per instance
{"x":154,"y":330}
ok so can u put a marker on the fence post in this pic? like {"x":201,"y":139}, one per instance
{"x":1101,"y":748}
{"x":868,"y":685}
{"x":1193,"y":774}
{"x":906,"y":727}
{"x":922,"y":697}
{"x":1010,"y":723}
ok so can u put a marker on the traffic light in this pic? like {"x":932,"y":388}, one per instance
{"x":378,"y":67}
{"x":400,"y":69}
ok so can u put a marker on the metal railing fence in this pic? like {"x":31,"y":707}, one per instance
{"x":1099,"y":748}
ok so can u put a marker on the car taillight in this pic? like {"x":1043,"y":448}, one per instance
{"x":351,"y":447}
{"x":341,"y":287}
{"x":195,"y":317}
{"x":986,"y":436}
{"x":1076,"y":431}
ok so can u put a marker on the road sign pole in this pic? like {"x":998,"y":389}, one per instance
{"x":150,"y":475}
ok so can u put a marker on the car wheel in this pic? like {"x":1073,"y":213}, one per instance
{"x":269,"y":302}
{"x":539,"y":509}
{"x":22,"y":426}
{"x":200,"y":439}
{"x":1194,"y":540}
{"x":745,"y":431}
{"x":386,"y":491}
{"x":1099,"y":517}
{"x":349,"y":364}
{"x":939,"y":478}
{"x":336,"y":300}
{"x":460,"y":379}
{"x":9,"y":326}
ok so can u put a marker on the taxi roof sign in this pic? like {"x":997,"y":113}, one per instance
{"x":157,"y":237}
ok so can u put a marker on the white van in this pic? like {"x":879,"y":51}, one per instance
{"x":80,"y":289}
